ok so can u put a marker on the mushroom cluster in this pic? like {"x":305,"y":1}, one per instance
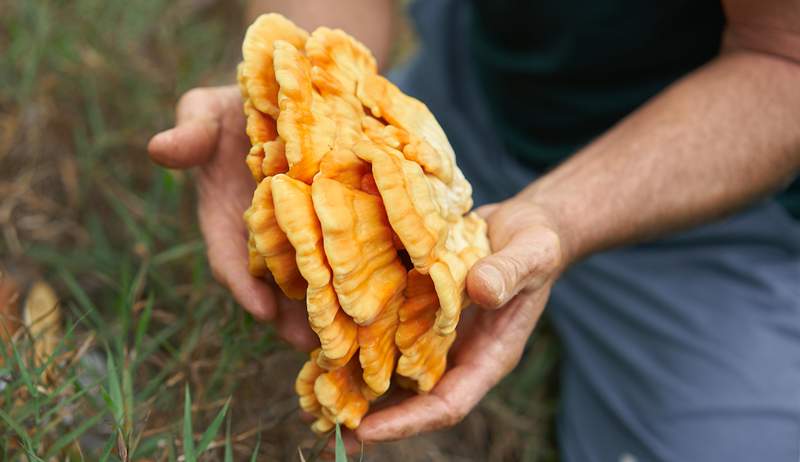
{"x":360,"y":210}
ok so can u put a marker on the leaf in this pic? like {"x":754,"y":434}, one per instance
{"x":23,"y":370}
{"x":178,"y":252}
{"x":127,"y":405}
{"x":32,"y":407}
{"x":68,"y":438}
{"x":12,"y":424}
{"x":171,"y":451}
{"x":107,"y":450}
{"x":144,"y":322}
{"x":318,"y":447}
{"x":114,"y":391}
{"x":188,"y":438}
{"x":341,"y":453}
{"x":211,"y":431}
{"x":254,"y":456}
{"x":84,"y":301}
{"x":228,"y":447}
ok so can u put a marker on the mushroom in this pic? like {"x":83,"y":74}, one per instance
{"x":360,"y":209}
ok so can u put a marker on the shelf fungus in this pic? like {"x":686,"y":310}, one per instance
{"x":360,"y":209}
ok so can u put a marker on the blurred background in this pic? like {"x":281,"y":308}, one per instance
{"x":115,"y":341}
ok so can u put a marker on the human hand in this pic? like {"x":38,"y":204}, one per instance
{"x":209,"y":134}
{"x":512,"y":286}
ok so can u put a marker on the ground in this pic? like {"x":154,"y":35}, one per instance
{"x":83,"y":85}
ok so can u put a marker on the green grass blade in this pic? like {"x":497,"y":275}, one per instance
{"x":68,"y":438}
{"x":18,"y":429}
{"x":254,"y":456}
{"x":340,"y":452}
{"x":114,"y":391}
{"x":178,"y":252}
{"x":318,"y":447}
{"x":144,"y":322}
{"x":171,"y":451}
{"x":127,"y":405}
{"x":109,"y":446}
{"x":211,"y":431}
{"x":228,"y":446}
{"x":84,"y":301}
{"x":31,"y":407}
{"x":134,"y":228}
{"x":23,"y":370}
{"x":188,"y":437}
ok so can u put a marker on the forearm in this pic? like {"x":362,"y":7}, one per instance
{"x":719,"y":139}
{"x":370,"y":21}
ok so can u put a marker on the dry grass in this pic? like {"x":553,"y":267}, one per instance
{"x":83,"y":85}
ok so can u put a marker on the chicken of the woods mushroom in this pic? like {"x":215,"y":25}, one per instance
{"x":360,"y":209}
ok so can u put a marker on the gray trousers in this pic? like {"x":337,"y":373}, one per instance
{"x":685,"y":349}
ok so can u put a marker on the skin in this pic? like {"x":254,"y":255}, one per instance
{"x":712,"y":143}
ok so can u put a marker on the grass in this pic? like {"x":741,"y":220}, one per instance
{"x":155,"y":357}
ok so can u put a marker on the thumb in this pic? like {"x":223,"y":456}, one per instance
{"x":195,"y":136}
{"x":529,"y":258}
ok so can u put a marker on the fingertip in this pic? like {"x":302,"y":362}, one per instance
{"x":165,"y":150}
{"x":486,"y":286}
{"x":373,"y":427}
{"x":186,"y":145}
{"x":255,"y":296}
{"x":159,"y":147}
{"x":292,"y":325}
{"x":415,"y":415}
{"x":299,"y":339}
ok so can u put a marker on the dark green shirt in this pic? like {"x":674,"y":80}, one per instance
{"x":558,"y":73}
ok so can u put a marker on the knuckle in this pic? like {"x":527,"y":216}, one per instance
{"x":453,"y":414}
{"x":516,"y":268}
{"x":536,"y":261}
{"x":195,"y":94}
{"x":189,"y":102}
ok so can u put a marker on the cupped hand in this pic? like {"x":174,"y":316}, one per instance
{"x":209,"y":134}
{"x":512,"y":286}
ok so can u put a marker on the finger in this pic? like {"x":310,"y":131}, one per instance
{"x":488,"y":353}
{"x":292,"y":325}
{"x":447,"y":404}
{"x":528,"y":259}
{"x":395,"y":396}
{"x":187,"y":145}
{"x":194,"y":138}
{"x":255,"y":296}
{"x":227,"y":256}
{"x":466,"y":324}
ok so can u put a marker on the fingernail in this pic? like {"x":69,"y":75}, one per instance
{"x":493,"y":281}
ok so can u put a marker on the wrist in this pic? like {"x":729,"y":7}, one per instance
{"x":551,"y":215}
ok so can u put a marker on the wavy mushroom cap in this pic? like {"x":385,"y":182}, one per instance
{"x":257,"y":73}
{"x":271,"y":242}
{"x":295,"y":215}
